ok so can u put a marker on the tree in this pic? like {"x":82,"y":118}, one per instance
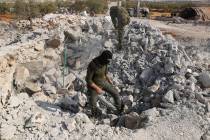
{"x":98,"y":6}
{"x":4,"y":8}
{"x":47,"y":7}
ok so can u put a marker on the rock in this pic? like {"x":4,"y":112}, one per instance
{"x":48,"y":89}
{"x":169,"y":97}
{"x":69,"y":104}
{"x":14,"y":101}
{"x":3,"y":64}
{"x":108,"y":44}
{"x":71,"y":125}
{"x":106,"y":121}
{"x":35,"y":120}
{"x":54,"y":42}
{"x":128,"y":100}
{"x":200,"y":98}
{"x":205,"y":136}
{"x":81,"y":99}
{"x":51,"y":54}
{"x":7,"y":132}
{"x":68,"y":80}
{"x":32,"y":88}
{"x":151,"y":114}
{"x":39,"y":46}
{"x":204,"y":79}
{"x":130,"y":121}
{"x":35,"y":69}
{"x":71,"y":36}
{"x":207,"y":106}
{"x":82,"y":118}
{"x":20,"y":76}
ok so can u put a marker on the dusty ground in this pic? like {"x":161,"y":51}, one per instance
{"x":181,"y":30}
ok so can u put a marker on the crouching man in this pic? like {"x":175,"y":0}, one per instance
{"x":98,"y":82}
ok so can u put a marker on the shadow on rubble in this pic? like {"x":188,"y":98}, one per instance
{"x":48,"y":106}
{"x":57,"y":107}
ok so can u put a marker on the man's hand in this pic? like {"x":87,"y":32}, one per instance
{"x":99,"y":90}
{"x":96,"y":88}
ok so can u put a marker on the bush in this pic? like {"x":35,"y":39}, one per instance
{"x":47,"y":7}
{"x":78,"y":6}
{"x":26,"y":10}
{"x":98,"y":6}
{"x":4,"y":8}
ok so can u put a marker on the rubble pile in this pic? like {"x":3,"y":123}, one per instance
{"x":158,"y":82}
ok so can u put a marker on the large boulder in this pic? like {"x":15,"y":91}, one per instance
{"x":204,"y":79}
{"x":20,"y":76}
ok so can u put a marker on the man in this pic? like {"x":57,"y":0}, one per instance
{"x":98,"y":81}
{"x":120,"y":18}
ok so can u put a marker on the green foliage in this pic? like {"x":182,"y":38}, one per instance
{"x":4,"y":8}
{"x":166,"y":6}
{"x":78,"y":6}
{"x":98,"y":6}
{"x":47,"y":7}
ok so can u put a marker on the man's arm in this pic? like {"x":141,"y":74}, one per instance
{"x":90,"y":83}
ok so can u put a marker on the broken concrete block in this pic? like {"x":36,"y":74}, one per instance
{"x":82,"y":118}
{"x":31,"y":87}
{"x":7,"y":132}
{"x":68,"y":103}
{"x":20,"y":76}
{"x":108,"y":44}
{"x":204,"y":79}
{"x":131,"y":121}
{"x":35,"y":120}
{"x":14,"y":101}
{"x":39,"y":46}
{"x":71,"y":125}
{"x":80,"y":98}
{"x":54,"y":42}
{"x":169,"y":97}
{"x":200,"y":98}
{"x":128,"y":100}
{"x":48,"y":89}
{"x":151,"y":114}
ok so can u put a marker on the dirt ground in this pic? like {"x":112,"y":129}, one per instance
{"x":181,"y":30}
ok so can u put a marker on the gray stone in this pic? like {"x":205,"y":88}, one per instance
{"x":200,"y":98}
{"x":82,"y":118}
{"x":51,"y":54}
{"x":39,"y":46}
{"x":35,"y":69}
{"x":68,"y":103}
{"x":71,"y":125}
{"x":131,"y":121}
{"x":128,"y":100}
{"x":14,"y":101}
{"x":35,"y":120}
{"x":7,"y":132}
{"x":204,"y":79}
{"x":54,"y":42}
{"x":108,"y":44}
{"x":31,"y":87}
{"x":81,"y":99}
{"x":169,"y":97}
{"x":48,"y":89}
{"x":151,"y":114}
{"x":20,"y":76}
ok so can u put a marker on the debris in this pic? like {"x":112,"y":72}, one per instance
{"x":204,"y":79}
{"x":169,"y":97}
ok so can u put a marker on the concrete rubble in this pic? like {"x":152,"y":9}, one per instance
{"x":161,"y":88}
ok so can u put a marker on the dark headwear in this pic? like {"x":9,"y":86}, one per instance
{"x":105,"y":57}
